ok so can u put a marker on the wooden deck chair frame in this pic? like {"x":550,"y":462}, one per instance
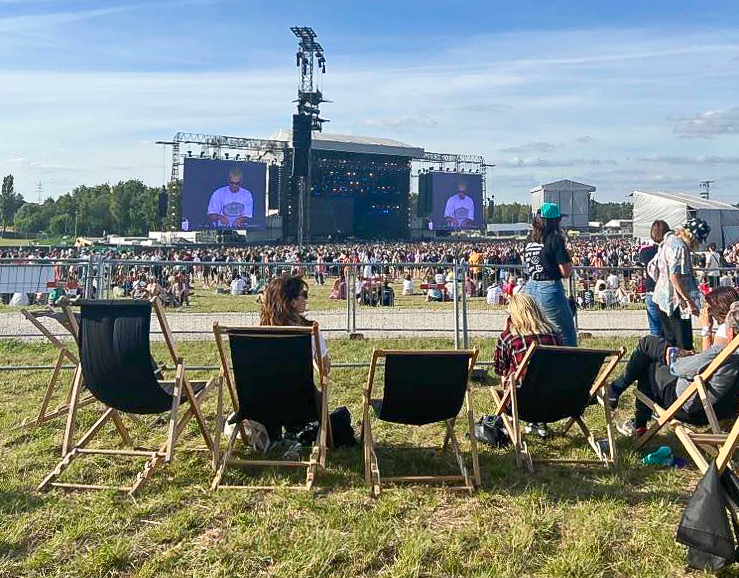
{"x":698,"y":385}
{"x":55,"y":382}
{"x":505,"y":397}
{"x":317,"y":459}
{"x":155,"y":457}
{"x":372,"y":476}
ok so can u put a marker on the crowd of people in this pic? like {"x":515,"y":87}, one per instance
{"x":528,"y":277}
{"x":496,"y":270}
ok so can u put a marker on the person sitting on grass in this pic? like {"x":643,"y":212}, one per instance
{"x":663,"y":373}
{"x":525,"y":324}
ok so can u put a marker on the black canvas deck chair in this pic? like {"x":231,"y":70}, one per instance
{"x":269,"y":376}
{"x":420,"y":388}
{"x":118,"y":370}
{"x":555,"y":383}
{"x":726,"y":408}
{"x":56,"y":383}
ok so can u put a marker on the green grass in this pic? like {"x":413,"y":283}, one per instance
{"x":561,"y":521}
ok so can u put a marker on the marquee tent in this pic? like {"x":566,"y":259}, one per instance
{"x":676,"y":208}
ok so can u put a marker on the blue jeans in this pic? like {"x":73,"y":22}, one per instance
{"x":655,"y":325}
{"x":550,"y":296}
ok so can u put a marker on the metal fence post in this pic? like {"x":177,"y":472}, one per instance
{"x":88,"y":277}
{"x":455,"y":298}
{"x":465,"y":333}
{"x":573,"y":295}
{"x":349,"y":293}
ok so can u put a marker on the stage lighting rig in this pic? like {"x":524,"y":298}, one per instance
{"x":309,"y":57}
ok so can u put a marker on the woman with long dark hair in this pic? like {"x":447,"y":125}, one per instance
{"x":548,"y":262}
{"x":284,"y":302}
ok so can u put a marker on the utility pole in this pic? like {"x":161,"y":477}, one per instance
{"x":706,"y":189}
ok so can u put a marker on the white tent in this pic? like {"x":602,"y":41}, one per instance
{"x":572,"y":197}
{"x":676,"y":208}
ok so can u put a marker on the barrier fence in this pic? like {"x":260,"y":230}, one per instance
{"x":457,"y":301}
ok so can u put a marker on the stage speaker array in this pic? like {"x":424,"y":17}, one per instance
{"x":301,"y":144}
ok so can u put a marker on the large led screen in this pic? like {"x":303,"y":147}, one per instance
{"x":456,"y":201}
{"x":220,"y":194}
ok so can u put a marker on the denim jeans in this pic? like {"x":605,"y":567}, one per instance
{"x":550,"y":296}
{"x":655,"y":325}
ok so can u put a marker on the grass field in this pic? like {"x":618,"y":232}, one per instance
{"x":561,"y":521}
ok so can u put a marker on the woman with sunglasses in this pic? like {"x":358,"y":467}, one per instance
{"x":284,"y":302}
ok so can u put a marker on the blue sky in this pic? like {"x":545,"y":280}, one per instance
{"x":621,"y":95}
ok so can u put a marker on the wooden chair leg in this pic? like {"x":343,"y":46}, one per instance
{"x":224,"y":462}
{"x":72,"y":415}
{"x":176,"y":395}
{"x":473,"y":438}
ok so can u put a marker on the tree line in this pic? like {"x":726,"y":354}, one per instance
{"x":520,"y":213}
{"x":132,"y":208}
{"x":126,"y":208}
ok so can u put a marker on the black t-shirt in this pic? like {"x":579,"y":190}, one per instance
{"x":543,"y":260}
{"x":645,"y":256}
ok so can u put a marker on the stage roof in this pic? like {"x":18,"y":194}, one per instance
{"x":355,"y":144}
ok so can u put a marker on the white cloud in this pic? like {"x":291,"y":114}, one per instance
{"x":688,"y":160}
{"x":539,"y":147}
{"x":401,"y":122}
{"x":709,"y":124}
{"x":517,"y":162}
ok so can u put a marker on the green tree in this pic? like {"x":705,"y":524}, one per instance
{"x":29,"y":218}
{"x":10,"y":202}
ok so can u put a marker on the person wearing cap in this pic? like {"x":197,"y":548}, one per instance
{"x":676,"y":291}
{"x":548,"y":262}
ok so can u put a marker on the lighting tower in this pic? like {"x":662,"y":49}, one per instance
{"x":308,"y":58}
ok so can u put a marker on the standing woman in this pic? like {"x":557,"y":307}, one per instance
{"x":676,"y":292}
{"x":548,"y":262}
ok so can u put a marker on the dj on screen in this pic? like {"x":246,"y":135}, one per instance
{"x":460,"y":210}
{"x":231,"y":206}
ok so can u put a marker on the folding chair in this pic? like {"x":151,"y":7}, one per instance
{"x":554,"y":383}
{"x":118,"y":370}
{"x":55,"y":381}
{"x":420,"y":388}
{"x":269,"y":378}
{"x":698,"y":385}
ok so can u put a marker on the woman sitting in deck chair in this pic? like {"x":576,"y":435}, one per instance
{"x":525,"y":324}
{"x":284,"y":304}
{"x":662,"y":377}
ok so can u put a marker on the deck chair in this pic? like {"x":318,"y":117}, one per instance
{"x":55,"y":382}
{"x":675,"y":413}
{"x":269,"y":378}
{"x":118,"y":370}
{"x":554,"y":383}
{"x":420,"y":388}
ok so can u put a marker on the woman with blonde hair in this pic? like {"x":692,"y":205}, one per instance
{"x":525,"y":325}
{"x":676,"y":292}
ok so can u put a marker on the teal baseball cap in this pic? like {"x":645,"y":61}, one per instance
{"x":549,"y":211}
